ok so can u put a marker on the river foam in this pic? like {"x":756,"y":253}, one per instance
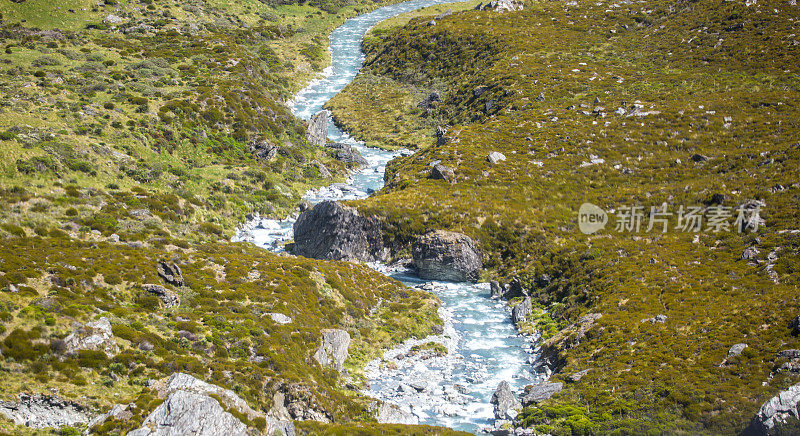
{"x":483,"y":346}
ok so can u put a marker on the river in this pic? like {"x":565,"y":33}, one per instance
{"x":483,"y":345}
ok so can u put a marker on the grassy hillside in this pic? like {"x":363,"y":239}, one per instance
{"x":683,"y":103}
{"x":127,"y":136}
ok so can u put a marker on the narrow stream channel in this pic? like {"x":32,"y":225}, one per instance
{"x":484,"y":348}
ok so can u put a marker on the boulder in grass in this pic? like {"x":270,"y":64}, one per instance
{"x":450,"y":256}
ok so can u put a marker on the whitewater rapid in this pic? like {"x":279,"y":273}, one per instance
{"x":483,"y":345}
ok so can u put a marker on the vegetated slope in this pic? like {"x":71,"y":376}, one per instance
{"x":617,"y":104}
{"x":171,"y":96}
{"x":221,"y":331}
{"x":138,"y":132}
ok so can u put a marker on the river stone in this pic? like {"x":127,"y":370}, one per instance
{"x":41,"y":411}
{"x":496,"y":289}
{"x":538,"y":393}
{"x":419,"y":386}
{"x":443,"y":255}
{"x":318,"y":128}
{"x":96,"y":335}
{"x":521,"y":311}
{"x":391,"y":414}
{"x":776,"y":411}
{"x":332,"y":231}
{"x":347,"y":154}
{"x":334,"y":349}
{"x":504,"y":400}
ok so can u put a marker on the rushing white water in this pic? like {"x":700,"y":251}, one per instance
{"x":483,"y":346}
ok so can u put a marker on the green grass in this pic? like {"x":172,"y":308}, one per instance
{"x":538,"y":70}
{"x":48,"y":14}
{"x":143,"y":138}
{"x":387,"y":26}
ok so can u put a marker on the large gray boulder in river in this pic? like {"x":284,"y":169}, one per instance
{"x":347,"y":154}
{"x":318,"y":128}
{"x":504,"y":400}
{"x":333,"y":231}
{"x":443,"y":255}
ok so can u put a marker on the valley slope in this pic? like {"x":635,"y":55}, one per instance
{"x":617,"y":104}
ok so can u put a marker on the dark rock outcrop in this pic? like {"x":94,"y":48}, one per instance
{"x":441,"y":172}
{"x":795,"y":325}
{"x":697,"y":158}
{"x":508,"y":291}
{"x":496,"y":289}
{"x":334,"y":349}
{"x":295,"y":401}
{"x":504,"y":400}
{"x":521,"y":311}
{"x":441,"y":139}
{"x":120,"y":412}
{"x":318,"y":128}
{"x":514,"y":289}
{"x":430,"y":101}
{"x":443,"y":255}
{"x":788,"y":354}
{"x":170,"y":273}
{"x":347,"y":154}
{"x":553,"y":349}
{"x":263,"y":149}
{"x":323,"y":170}
{"x":165,"y":295}
{"x":333,"y":231}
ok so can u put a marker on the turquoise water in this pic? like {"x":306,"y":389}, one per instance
{"x":484,"y":348}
